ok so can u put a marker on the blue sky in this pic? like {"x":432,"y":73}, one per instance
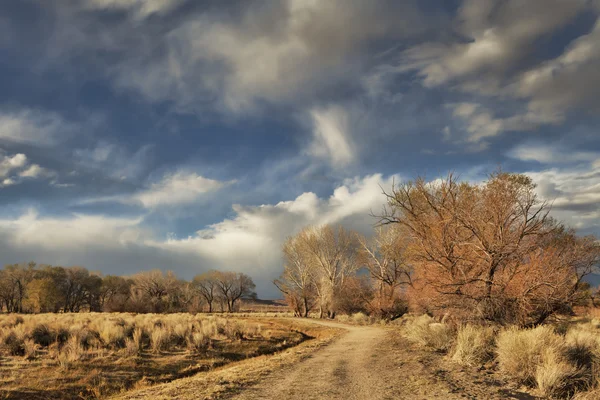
{"x":190,"y":135}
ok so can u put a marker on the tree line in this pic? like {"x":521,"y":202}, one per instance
{"x":486,"y":251}
{"x":32,"y":288}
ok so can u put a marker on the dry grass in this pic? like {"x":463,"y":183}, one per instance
{"x":522,"y":351}
{"x":81,"y":355}
{"x":424,"y":331}
{"x":474,"y":345}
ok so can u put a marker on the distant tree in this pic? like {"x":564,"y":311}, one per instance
{"x":206,"y":285}
{"x":115,"y":293}
{"x":13,"y":284}
{"x":150,"y":290}
{"x":233,"y":286}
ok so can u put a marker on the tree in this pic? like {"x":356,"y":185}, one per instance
{"x":297,"y":281}
{"x":13,"y":283}
{"x":386,"y":258}
{"x":115,"y":293}
{"x":206,"y":285}
{"x":489,"y":250}
{"x":233,"y":286}
{"x":150,"y":290}
{"x":325,"y":256}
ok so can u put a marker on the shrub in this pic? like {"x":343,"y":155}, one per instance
{"x":520,"y":352}
{"x":198,"y":342}
{"x":474,"y":345}
{"x":360,"y":318}
{"x":159,"y":339}
{"x":235,"y":330}
{"x":426,"y":332}
{"x":42,"y":335}
{"x":556,"y":378}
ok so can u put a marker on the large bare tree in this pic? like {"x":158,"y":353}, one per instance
{"x":489,"y":249}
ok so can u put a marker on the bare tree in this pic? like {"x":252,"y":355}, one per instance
{"x":297,"y":281}
{"x":332,"y":254}
{"x":233,"y":286}
{"x":206,"y":285}
{"x":385,"y":256}
{"x":473,"y":245}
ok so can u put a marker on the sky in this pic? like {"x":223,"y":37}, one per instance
{"x":196,"y":135}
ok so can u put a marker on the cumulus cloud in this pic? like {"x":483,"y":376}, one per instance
{"x":255,"y":232}
{"x":13,"y":168}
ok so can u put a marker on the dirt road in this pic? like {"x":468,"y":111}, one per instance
{"x":364,"y":362}
{"x":375,"y":363}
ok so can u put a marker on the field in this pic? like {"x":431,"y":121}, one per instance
{"x":93,"y":355}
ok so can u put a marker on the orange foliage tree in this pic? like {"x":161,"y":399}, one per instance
{"x":489,"y":251}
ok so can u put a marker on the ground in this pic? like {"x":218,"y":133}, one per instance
{"x":361,"y":362}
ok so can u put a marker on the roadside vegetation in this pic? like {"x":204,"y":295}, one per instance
{"x":92,"y":355}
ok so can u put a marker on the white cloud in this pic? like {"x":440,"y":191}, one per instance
{"x":257,"y":233}
{"x":492,"y":57}
{"x":10,"y":163}
{"x":176,"y":189}
{"x":140,"y":8}
{"x":250,"y":241}
{"x":574,"y":194}
{"x":498,"y":36}
{"x":281,"y":52}
{"x":14,"y":168}
{"x":31,"y":230}
{"x":551,"y":154}
{"x":33,"y":127}
{"x":35,"y":171}
{"x":331,"y":139}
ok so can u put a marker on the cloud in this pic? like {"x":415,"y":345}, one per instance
{"x":257,"y":232}
{"x":494,"y":57}
{"x":284,"y":52}
{"x":574,"y":194}
{"x":9,"y":163}
{"x":173,"y":189}
{"x":497,"y":36}
{"x":33,"y":127}
{"x":566,"y":81}
{"x":127,"y":245}
{"x":139,"y":8}
{"x":177,"y":189}
{"x":551,"y":153}
{"x":331,"y":139}
{"x":14,"y":168}
{"x":114,"y":160}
